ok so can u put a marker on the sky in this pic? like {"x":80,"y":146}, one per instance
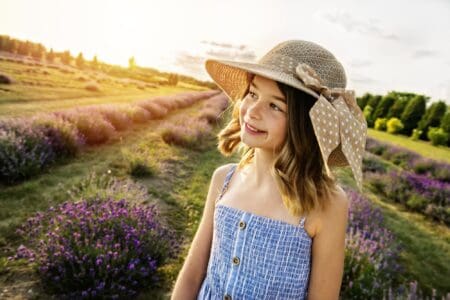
{"x":401,"y":45}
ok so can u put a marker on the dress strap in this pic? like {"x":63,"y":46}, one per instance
{"x":302,"y":221}
{"x":227,"y":180}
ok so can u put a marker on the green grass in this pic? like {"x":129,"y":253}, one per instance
{"x":44,"y":89}
{"x":423,"y":148}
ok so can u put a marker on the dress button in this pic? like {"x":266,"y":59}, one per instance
{"x":242,"y":224}
{"x":236,"y":260}
{"x":227,"y":297}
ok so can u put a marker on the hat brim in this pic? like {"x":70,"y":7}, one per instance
{"x":232,"y":76}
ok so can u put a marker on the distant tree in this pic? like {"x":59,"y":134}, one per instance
{"x":397,"y":108}
{"x":14,"y":46}
{"x":431,"y":118}
{"x":412,"y":114}
{"x":94,"y":63}
{"x":445,"y":124}
{"x":367,"y":112}
{"x":383,"y":107}
{"x":50,"y":56}
{"x":66,"y":58}
{"x":132,"y":63}
{"x":37,"y":51}
{"x":362,"y":101}
{"x":24,"y":48}
{"x":80,"y":60}
{"x":172,"y":79}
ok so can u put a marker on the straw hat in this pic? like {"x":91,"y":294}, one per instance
{"x":338,"y":122}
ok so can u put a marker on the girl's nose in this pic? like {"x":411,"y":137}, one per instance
{"x":254,"y":110}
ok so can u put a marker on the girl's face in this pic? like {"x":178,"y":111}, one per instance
{"x":263,"y":108}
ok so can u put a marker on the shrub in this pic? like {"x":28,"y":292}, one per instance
{"x":94,"y":128}
{"x":373,"y":164}
{"x":416,"y":133}
{"x":137,"y":114}
{"x":5,"y":79}
{"x":105,"y":186}
{"x":192,"y":136}
{"x":156,"y":110}
{"x":437,"y":136}
{"x":380,"y":124}
{"x":139,"y":164}
{"x":114,"y":115}
{"x":98,"y":249}
{"x":394,"y":125}
{"x":24,"y":150}
{"x":92,"y":86}
{"x":64,"y":137}
{"x":371,"y":253}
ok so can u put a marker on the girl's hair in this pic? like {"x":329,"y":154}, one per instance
{"x":299,"y":171}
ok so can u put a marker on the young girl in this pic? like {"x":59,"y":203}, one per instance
{"x":277,"y":228}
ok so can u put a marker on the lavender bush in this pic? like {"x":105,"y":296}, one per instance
{"x":416,"y":192}
{"x":97,"y":249}
{"x":409,"y":160}
{"x":371,"y":254}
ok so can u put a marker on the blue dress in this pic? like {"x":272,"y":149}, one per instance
{"x":255,"y":257}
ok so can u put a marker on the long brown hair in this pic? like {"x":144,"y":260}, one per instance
{"x":298,"y":168}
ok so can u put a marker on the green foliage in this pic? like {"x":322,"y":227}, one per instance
{"x":367,"y":112}
{"x":66,"y":58}
{"x":80,"y":60}
{"x":394,"y":125}
{"x":362,"y":101}
{"x":50,"y":56}
{"x":445,"y":124}
{"x":437,"y":136}
{"x":380,"y":124}
{"x":412,"y":114}
{"x":384,"y":106}
{"x":432,"y":118}
{"x":416,"y":134}
{"x":397,"y":108}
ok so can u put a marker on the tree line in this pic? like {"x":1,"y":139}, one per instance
{"x":408,"y":114}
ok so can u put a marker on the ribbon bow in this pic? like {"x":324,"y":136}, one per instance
{"x":338,"y":122}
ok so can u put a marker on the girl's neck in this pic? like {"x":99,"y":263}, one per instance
{"x":258,"y":173}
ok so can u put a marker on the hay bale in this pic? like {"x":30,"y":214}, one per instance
{"x":5,"y":79}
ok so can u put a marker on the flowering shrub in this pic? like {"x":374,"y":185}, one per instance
{"x":370,"y":255}
{"x":105,"y":186}
{"x":409,"y":160}
{"x":24,"y":150}
{"x":98,"y":249}
{"x":394,"y":125}
{"x":416,"y":192}
{"x":190,"y":136}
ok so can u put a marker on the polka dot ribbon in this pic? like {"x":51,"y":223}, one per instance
{"x":337,"y":121}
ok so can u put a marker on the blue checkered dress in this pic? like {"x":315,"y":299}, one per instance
{"x":255,"y":257}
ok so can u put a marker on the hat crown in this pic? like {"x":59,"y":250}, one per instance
{"x":287,"y":55}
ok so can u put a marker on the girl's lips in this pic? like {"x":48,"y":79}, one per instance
{"x":248,"y":129}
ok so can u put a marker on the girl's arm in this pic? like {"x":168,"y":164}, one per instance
{"x":194,"y":268}
{"x":328,"y":250}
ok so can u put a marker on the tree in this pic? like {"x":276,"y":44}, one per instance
{"x":384,"y":106}
{"x":132,"y":63}
{"x":50,"y":56}
{"x":432,"y":118}
{"x":173,"y":79}
{"x":397,"y":108}
{"x":362,"y":101}
{"x":445,"y":124}
{"x":66,"y":58}
{"x":80,"y":61}
{"x":94,"y":62}
{"x":413,"y":113}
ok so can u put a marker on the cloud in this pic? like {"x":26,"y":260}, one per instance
{"x":360,"y":63}
{"x":363,"y":26}
{"x":424,"y":53}
{"x":228,"y":51}
{"x":363,"y":79}
{"x":193,"y":64}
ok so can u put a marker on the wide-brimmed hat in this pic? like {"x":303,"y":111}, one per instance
{"x":338,"y":122}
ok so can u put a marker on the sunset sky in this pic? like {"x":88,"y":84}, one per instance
{"x":384,"y":45}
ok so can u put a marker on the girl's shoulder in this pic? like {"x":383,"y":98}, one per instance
{"x":220,"y":173}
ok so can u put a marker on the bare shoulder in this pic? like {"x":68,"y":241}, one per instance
{"x":219,"y":175}
{"x":336,"y":212}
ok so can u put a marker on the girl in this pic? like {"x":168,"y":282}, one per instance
{"x":277,"y":228}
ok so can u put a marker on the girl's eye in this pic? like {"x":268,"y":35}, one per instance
{"x":276,"y":107}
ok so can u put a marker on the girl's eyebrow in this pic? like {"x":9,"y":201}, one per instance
{"x":276,"y":97}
